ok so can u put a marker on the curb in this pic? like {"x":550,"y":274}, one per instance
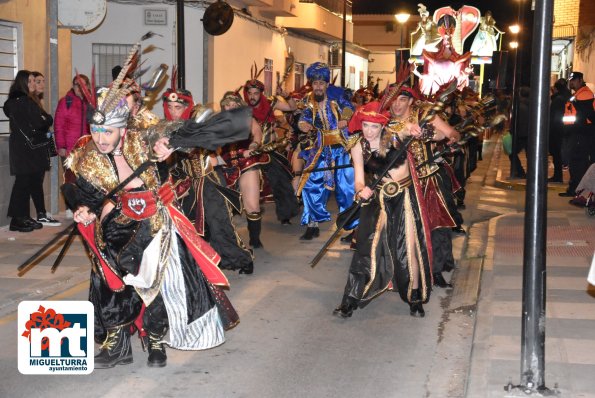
{"x":517,"y":184}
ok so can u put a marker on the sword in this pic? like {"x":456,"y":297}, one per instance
{"x":342,"y":166}
{"x":349,"y":214}
{"x":39,"y":255}
{"x":266,"y":148}
{"x":31,"y":261}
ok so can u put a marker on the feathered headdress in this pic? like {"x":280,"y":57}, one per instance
{"x":254,"y":82}
{"x":394,"y":90}
{"x":110,"y":106}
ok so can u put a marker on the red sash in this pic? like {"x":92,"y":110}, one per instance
{"x":205,"y":256}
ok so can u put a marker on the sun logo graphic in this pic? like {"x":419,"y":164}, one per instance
{"x":56,"y":337}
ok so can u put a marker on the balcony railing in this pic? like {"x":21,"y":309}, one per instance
{"x":334,"y":6}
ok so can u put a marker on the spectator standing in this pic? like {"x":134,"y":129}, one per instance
{"x":579,"y":121}
{"x":36,"y":91}
{"x":71,"y":124}
{"x":38,"y":86}
{"x":560,"y":95}
{"x":522,"y":134}
{"x":28,"y":154}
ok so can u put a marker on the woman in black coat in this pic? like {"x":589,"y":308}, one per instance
{"x":28,"y":153}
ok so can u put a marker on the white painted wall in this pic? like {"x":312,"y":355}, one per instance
{"x":361,"y":65}
{"x":382,"y":67}
{"x":124,"y":24}
{"x":247,"y":42}
{"x":233,"y":52}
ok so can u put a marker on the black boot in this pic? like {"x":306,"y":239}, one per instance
{"x":254,"y":227}
{"x":248,"y":269}
{"x":311,"y":232}
{"x":459,"y":230}
{"x":33,"y":223}
{"x":440,"y":281}
{"x":348,"y":238}
{"x":415,"y":305}
{"x":461,"y":204}
{"x":345,"y":310}
{"x":157,"y":356}
{"x":115,"y":350}
{"x":20,"y":224}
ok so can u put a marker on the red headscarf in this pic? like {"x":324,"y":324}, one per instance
{"x":262,"y":112}
{"x":367,"y":113}
{"x":183,"y":97}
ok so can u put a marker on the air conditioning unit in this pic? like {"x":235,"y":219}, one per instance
{"x":334,"y":57}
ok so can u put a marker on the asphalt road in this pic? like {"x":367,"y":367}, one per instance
{"x":287,"y":344}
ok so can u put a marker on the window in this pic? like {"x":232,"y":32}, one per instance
{"x":351,"y":83}
{"x":105,"y":57}
{"x":268,"y":77}
{"x":298,"y":75}
{"x":10,"y":59}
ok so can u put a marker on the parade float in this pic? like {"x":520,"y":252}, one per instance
{"x":437,"y":47}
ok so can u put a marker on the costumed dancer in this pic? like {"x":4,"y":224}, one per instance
{"x":435,"y":192}
{"x":150,"y":267}
{"x":278,"y":171}
{"x":326,"y":118}
{"x":243,"y":168}
{"x":392,"y":245}
{"x":202,"y":192}
{"x":460,"y":159}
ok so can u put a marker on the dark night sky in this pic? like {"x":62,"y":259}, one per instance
{"x":504,"y":11}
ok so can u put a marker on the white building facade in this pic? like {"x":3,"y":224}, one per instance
{"x":271,"y":35}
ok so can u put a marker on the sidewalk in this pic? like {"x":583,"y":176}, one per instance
{"x":503,"y":179}
{"x":570,"y":301}
{"x":38,"y":282}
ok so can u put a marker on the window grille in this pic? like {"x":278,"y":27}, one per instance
{"x":105,"y":57}
{"x":334,"y":57}
{"x":9,"y":65}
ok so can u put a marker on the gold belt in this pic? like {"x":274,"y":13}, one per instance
{"x":196,"y":168}
{"x":332,"y":137}
{"x":392,"y":188}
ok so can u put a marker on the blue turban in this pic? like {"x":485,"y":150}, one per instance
{"x":318,"y":71}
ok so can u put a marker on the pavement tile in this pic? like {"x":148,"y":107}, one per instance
{"x":553,"y":295}
{"x":560,"y":350}
{"x":555,"y":328}
{"x":567,"y":283}
{"x":553,"y":310}
{"x":552,"y":271}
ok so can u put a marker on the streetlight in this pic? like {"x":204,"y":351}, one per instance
{"x":516,"y":81}
{"x":402,"y":19}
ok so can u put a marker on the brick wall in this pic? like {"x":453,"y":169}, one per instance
{"x":566,"y":12}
